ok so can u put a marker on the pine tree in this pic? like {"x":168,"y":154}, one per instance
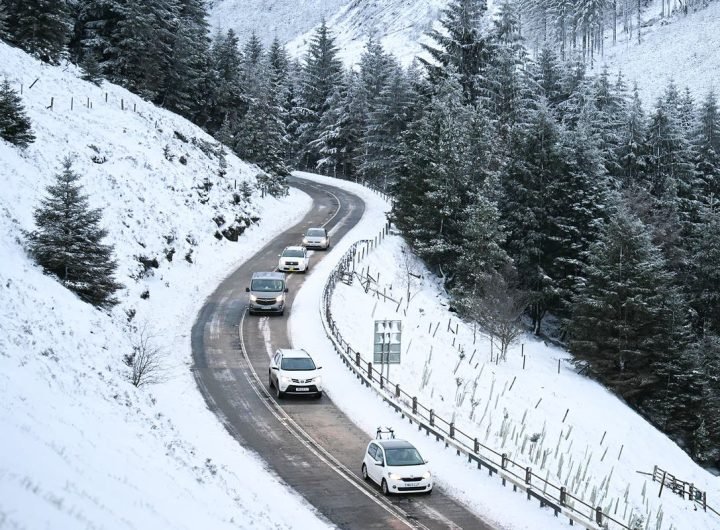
{"x":535,"y":158}
{"x":91,"y":69}
{"x":707,"y":148}
{"x":703,"y":286}
{"x":142,"y":46}
{"x":40,"y":27}
{"x":188,"y":68}
{"x":68,"y":241}
{"x":14,"y":124}
{"x":706,"y":438}
{"x":322,"y":74}
{"x":436,"y":178}
{"x":385,"y":125}
{"x":625,"y":313}
{"x":3,"y":21}
{"x":632,"y":145}
{"x":260,"y":133}
{"x":460,"y":46}
{"x":225,"y":94}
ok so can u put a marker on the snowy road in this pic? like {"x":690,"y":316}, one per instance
{"x":308,"y":443}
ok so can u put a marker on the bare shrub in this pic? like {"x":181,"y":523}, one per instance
{"x":146,"y":360}
{"x":497,"y":309}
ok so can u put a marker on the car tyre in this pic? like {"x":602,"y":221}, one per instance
{"x":318,"y":395}
{"x":270,"y":382}
{"x":279,"y":393}
{"x":384,"y":487}
{"x":364,"y":472}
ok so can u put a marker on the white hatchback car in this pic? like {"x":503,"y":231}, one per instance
{"x":397,"y":467}
{"x":294,"y":372}
{"x":294,"y":259}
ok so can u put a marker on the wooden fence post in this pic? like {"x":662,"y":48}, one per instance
{"x":369,"y":370}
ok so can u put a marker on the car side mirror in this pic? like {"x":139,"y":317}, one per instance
{"x":319,"y":367}
{"x":275,"y":368}
{"x":247,"y":289}
{"x":427,"y":461}
{"x":287,"y":290}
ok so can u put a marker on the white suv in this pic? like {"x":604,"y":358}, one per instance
{"x":294,"y":259}
{"x":294,"y":372}
{"x":397,"y":467}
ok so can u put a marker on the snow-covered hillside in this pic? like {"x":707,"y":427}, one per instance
{"x":81,"y":447}
{"x":682,"y":48}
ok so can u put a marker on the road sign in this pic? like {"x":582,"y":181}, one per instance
{"x":387,"y":342}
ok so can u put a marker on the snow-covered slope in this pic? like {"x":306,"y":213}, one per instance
{"x":684,"y":48}
{"x":81,"y":447}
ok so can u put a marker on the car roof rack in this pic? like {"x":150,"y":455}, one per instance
{"x":385,"y":434}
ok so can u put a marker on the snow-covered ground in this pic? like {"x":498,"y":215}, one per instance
{"x":684,"y":49}
{"x":587,"y":440}
{"x":81,"y":447}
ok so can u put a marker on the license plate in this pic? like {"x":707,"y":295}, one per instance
{"x":302,"y":389}
{"x":412,"y":484}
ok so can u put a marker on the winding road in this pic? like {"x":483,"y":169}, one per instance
{"x":310,"y":444}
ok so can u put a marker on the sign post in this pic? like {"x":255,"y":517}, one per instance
{"x":387,"y":338}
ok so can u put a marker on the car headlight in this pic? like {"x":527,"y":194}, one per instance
{"x":284,"y":379}
{"x":426,"y":475}
{"x":305,"y":241}
{"x":280,"y":298}
{"x":394,"y":476}
{"x":253,"y":298}
{"x":317,"y":379}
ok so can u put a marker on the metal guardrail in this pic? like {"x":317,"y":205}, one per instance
{"x":557,"y":498}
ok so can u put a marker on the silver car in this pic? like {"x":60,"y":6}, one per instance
{"x":316,"y":238}
{"x":267,"y":293}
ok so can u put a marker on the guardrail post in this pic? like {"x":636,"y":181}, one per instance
{"x":397,"y":390}
{"x":414,"y":405}
{"x":382,"y":381}
{"x":503,"y":461}
{"x":598,"y":515}
{"x":528,"y":475}
{"x":370,"y":371}
{"x":432,"y":418}
{"x":563,"y":495}
{"x":357,"y":358}
{"x":476,"y":445}
{"x":452,"y":430}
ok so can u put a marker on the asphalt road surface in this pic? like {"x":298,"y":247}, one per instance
{"x":309,"y":443}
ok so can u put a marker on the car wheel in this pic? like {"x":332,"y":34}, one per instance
{"x":384,"y":487}
{"x":318,"y":395}
{"x":270,"y":383}
{"x":428,"y":492}
{"x":281,"y":313}
{"x":365,"y":475}
{"x":278,"y":393}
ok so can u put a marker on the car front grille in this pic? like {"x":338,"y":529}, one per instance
{"x":412,"y":488}
{"x":266,"y":301}
{"x":287,"y":263}
{"x":302,"y":381}
{"x":411,"y":479}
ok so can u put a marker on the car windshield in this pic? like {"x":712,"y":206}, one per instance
{"x":405,"y":456}
{"x":297,"y":363}
{"x":267,"y":285}
{"x":292,"y":253}
{"x":316,"y":232}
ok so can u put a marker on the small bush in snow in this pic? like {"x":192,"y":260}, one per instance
{"x":146,"y":360}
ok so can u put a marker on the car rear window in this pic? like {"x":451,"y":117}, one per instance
{"x":297,"y":363}
{"x":293,"y":254}
{"x":316,"y":232}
